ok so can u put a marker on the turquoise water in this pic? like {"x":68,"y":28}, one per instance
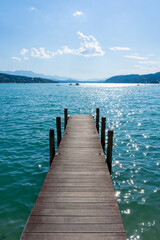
{"x":27,"y":113}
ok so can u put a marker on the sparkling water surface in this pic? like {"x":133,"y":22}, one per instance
{"x":27,"y":113}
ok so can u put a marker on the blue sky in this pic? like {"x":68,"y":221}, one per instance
{"x":80,"y":38}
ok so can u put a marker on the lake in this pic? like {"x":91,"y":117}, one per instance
{"x":27,"y":113}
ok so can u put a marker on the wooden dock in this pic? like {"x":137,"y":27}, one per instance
{"x":77,"y":200}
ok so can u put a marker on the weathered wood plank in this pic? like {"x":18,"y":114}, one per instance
{"x":81,"y":177}
{"x":80,"y":144}
{"x":72,"y":205}
{"x":99,"y":181}
{"x":66,"y":228}
{"x":74,"y":236}
{"x":78,"y":194}
{"x":52,"y":199}
{"x":73,"y":184}
{"x":85,"y":152}
{"x":75,"y":219}
{"x":82,"y":167}
{"x":77,"y":189}
{"x":74,"y":212}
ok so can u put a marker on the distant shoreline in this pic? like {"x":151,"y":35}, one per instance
{"x":121,"y":79}
{"x":79,"y":83}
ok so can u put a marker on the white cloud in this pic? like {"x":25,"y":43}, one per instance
{"x":67,"y":50}
{"x":136,"y":57}
{"x":77,"y":13}
{"x":24,"y":51}
{"x":17,"y":59}
{"x":58,"y":52}
{"x":33,"y":9}
{"x":89,"y":47}
{"x":120,"y":49}
{"x":40,"y":53}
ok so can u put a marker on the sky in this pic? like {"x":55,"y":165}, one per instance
{"x":82,"y":39}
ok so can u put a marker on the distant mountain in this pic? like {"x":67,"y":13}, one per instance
{"x":29,"y":76}
{"x":7,"y":78}
{"x":135,"y":78}
{"x":38,"y":75}
{"x":60,"y":79}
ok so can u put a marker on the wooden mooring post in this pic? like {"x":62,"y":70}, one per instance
{"x":59,"y":134}
{"x":109,"y":149}
{"x":103,"y":128}
{"x":97,"y":119}
{"x":65,"y":117}
{"x":52,"y":145}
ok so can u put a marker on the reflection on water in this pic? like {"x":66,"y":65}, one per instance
{"x":28,"y":112}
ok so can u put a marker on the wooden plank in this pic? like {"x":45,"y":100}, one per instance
{"x":74,"y":236}
{"x":66,"y":228}
{"x":66,"y":200}
{"x":77,"y":185}
{"x":72,"y":205}
{"x":106,"y":195}
{"x":74,"y":212}
{"x":52,"y":199}
{"x":75,"y":189}
{"x":99,"y":181}
{"x":82,"y":167}
{"x":83,"y":145}
{"x":79,"y":159}
{"x":78,"y":178}
{"x":74,"y":219}
{"x":80,"y":151}
{"x":77,"y":200}
{"x":80,"y":174}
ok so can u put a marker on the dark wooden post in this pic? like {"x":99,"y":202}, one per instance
{"x":103,"y":128}
{"x":65,"y":117}
{"x":59,"y":135}
{"x":52,"y":145}
{"x":97,"y":119}
{"x":109,"y":149}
